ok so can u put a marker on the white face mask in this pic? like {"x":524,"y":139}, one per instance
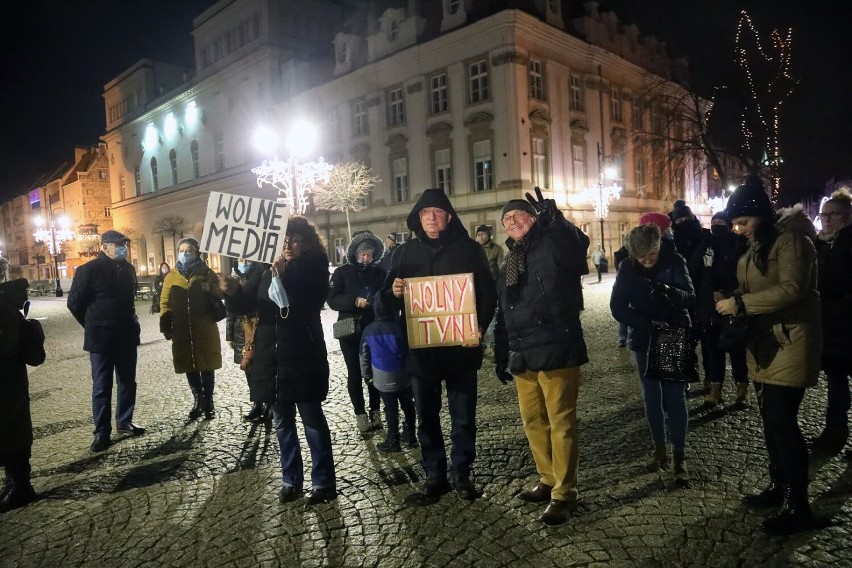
{"x":278,"y":295}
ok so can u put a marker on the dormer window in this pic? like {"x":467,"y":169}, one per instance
{"x":453,"y":6}
{"x":393,"y":31}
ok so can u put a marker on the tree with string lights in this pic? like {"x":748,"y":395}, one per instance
{"x":345,"y":190}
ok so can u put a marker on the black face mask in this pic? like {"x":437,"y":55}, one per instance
{"x":720,"y":229}
{"x":689,"y":230}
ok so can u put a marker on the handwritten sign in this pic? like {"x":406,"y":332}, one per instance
{"x":441,"y":311}
{"x":244,"y":227}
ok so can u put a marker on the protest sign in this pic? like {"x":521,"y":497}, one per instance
{"x":441,"y":311}
{"x":244,"y":227}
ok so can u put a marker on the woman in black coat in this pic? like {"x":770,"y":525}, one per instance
{"x":292,"y":295}
{"x":158,"y":287}
{"x":351,"y":292}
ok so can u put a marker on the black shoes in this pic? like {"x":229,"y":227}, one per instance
{"x":132,"y":429}
{"x":407,"y":438}
{"x":289,"y":493}
{"x":321,"y":495}
{"x":538,"y":494}
{"x":772,"y":496}
{"x":99,"y":444}
{"x":391,"y":444}
{"x":795,"y":515}
{"x":209,"y":409}
{"x":556,"y":512}
{"x":255,"y":413}
{"x":466,"y":489}
{"x":196,"y":410}
{"x":17,"y":495}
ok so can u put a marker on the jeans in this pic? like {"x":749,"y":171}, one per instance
{"x":839,"y":401}
{"x":461,"y":400}
{"x":319,"y":441}
{"x":354,"y":380}
{"x":788,"y":452}
{"x":665,"y":407}
{"x":393,"y":400}
{"x":122,"y":364}
{"x":714,"y":364}
{"x":548,"y":403}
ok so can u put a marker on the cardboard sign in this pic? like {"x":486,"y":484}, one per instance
{"x":441,"y":311}
{"x":244,"y":227}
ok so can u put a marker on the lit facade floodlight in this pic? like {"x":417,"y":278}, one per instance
{"x":731,"y":188}
{"x":151,"y":137}
{"x":265,"y":140}
{"x":170,"y":126}
{"x":610,"y":172}
{"x":301,"y":139}
{"x":191,"y":113}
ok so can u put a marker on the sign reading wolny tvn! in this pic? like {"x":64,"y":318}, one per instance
{"x":244,"y":227}
{"x":441,"y":311}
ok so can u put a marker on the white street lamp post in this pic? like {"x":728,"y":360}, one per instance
{"x":602,"y":195}
{"x":54,"y":237}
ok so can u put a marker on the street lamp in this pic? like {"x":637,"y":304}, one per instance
{"x":602,"y":195}
{"x":293,"y":179}
{"x":54,"y":234}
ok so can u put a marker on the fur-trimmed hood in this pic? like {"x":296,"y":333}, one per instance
{"x":361,"y":237}
{"x":794,"y":219}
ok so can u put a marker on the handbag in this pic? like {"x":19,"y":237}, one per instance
{"x":733,"y":333}
{"x":346,"y":327}
{"x":671,"y":354}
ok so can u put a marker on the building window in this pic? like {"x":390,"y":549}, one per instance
{"x":579,"y":157}
{"x":615,"y":105}
{"x":400,"y":180}
{"x":540,"y":162}
{"x":107,"y":211}
{"x":219,"y":145}
{"x":122,"y":187}
{"x":359,"y":118}
{"x":193,"y":151}
{"x":536,"y":79}
{"x":393,"y":31}
{"x":658,"y":121}
{"x":342,"y":52}
{"x":438,"y":94}
{"x":339,"y":250}
{"x":479,"y":81}
{"x":102,"y":174}
{"x":443,"y":170}
{"x":641,"y":171}
{"x":396,"y":107}
{"x":483,"y":175}
{"x":137,"y":180}
{"x":578,"y":100}
{"x":637,"y":116}
{"x":334,"y":125}
{"x":173,"y":165}
{"x":453,"y":6}
{"x":155,"y":185}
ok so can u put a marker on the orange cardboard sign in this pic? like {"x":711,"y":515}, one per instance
{"x":441,"y":311}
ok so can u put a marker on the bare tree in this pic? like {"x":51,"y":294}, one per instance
{"x":172,"y":225}
{"x":346,"y":189}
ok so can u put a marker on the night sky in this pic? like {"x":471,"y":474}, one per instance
{"x":58,"y":54}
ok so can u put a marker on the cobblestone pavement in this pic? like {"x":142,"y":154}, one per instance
{"x":204,"y":493}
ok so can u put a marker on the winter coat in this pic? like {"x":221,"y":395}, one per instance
{"x":195,"y":333}
{"x":494,"y":254}
{"x":300,"y":353}
{"x":354,"y":280}
{"x":632,"y":304}
{"x":384,"y":350}
{"x":16,"y":426}
{"x":453,"y":252}
{"x":102,"y":299}
{"x":242,"y":303}
{"x":785,"y":330}
{"x":724,"y":252}
{"x":387,"y":258}
{"x":157,"y":292}
{"x":834,"y":278}
{"x":542,"y":313}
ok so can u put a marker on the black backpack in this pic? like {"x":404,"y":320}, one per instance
{"x":31,"y":339}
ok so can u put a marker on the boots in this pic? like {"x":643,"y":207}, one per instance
{"x":256,"y":412}
{"x":660,"y":459}
{"x":832,"y":439}
{"x":195,"y":386}
{"x":207,"y":406}
{"x":714,"y":395}
{"x":679,"y":472}
{"x":771,"y":496}
{"x":742,"y":395}
{"x":391,"y":443}
{"x":407,"y":437}
{"x":18,"y":491}
{"x":795,"y":514}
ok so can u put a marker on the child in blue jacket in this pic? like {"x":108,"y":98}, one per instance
{"x":383,"y":352}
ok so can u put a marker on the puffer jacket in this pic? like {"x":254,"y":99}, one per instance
{"x":542,"y":313}
{"x":631,"y":302}
{"x":16,"y":426}
{"x":195,"y":333}
{"x":785,"y":330}
{"x":354,"y":280}
{"x":835,"y":293}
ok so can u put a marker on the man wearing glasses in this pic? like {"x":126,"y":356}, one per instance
{"x":539,"y":341}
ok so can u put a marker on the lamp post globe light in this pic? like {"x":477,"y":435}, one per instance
{"x":293,"y":178}
{"x":601,"y":195}
{"x":54,"y":232}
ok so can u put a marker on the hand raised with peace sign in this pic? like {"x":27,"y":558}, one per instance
{"x":545,"y":208}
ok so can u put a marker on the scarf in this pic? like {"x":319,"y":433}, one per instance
{"x":186,"y":269}
{"x":516,"y":262}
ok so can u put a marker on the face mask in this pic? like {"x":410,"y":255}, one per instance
{"x":719,"y":229}
{"x":244,"y":266}
{"x":164,"y":270}
{"x":186,"y":257}
{"x":278,"y":295}
{"x":120,"y":252}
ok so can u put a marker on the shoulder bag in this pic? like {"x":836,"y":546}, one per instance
{"x":671,"y":354}
{"x":346,"y":327}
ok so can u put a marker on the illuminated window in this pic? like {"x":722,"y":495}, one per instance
{"x":579,"y":157}
{"x":359,"y":118}
{"x":396,"y":107}
{"x":578,"y":101}
{"x":443,"y":170}
{"x":478,"y":79}
{"x":536,"y":79}
{"x":122,"y":187}
{"x":641,"y":171}
{"x":155,"y":184}
{"x":540,"y":162}
{"x":483,"y":175}
{"x":615,"y":105}
{"x":173,"y":165}
{"x":400,"y":179}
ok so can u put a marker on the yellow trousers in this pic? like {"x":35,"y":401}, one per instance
{"x":548,"y":402}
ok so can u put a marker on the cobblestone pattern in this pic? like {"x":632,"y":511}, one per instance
{"x":204,"y":493}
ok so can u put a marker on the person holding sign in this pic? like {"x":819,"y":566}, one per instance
{"x":540,"y":302}
{"x":443,"y":247}
{"x":350,"y":292}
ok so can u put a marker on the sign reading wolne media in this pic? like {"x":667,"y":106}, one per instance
{"x":244,"y":227}
{"x":441,"y":311}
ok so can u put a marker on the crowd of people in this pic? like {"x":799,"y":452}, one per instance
{"x":760,"y":286}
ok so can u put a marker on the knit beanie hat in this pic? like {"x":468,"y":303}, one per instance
{"x":191,"y":241}
{"x":749,"y":200}
{"x":680,"y":212}
{"x":720,"y":216}
{"x":656,"y":218}
{"x":484,"y":229}
{"x":519,"y":205}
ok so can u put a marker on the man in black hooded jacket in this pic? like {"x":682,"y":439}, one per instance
{"x":442,"y":246}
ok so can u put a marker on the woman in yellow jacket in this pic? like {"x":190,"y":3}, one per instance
{"x":188,"y":316}
{"x":777,"y":291}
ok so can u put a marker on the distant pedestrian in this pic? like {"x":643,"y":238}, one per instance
{"x":387,"y":256}
{"x":16,"y":425}
{"x":597,"y":257}
{"x":102,"y":300}
{"x":493,"y":251}
{"x":383,"y":353}
{"x":158,"y":287}
{"x":188,"y":319}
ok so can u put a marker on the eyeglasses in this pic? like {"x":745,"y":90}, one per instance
{"x":832,"y":215}
{"x":514,"y":217}
{"x":288,"y":243}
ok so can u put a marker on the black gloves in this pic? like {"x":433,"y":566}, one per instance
{"x":545,"y":208}
{"x":660,"y":294}
{"x":503,"y":375}
{"x":166,"y":325}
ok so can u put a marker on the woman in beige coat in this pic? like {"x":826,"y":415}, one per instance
{"x":777,"y":291}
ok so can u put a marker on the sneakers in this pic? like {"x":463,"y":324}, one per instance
{"x":363,"y":423}
{"x":376,"y":419}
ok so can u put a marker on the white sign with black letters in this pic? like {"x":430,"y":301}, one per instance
{"x":244,"y":227}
